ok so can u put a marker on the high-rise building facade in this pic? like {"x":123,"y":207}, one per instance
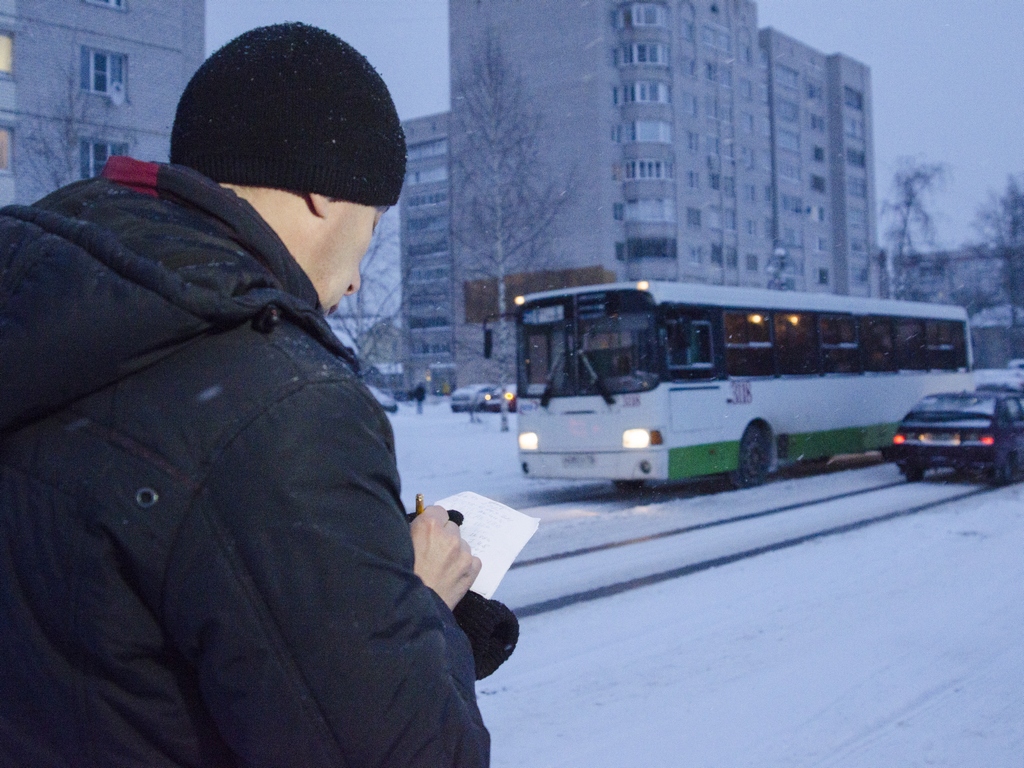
{"x":690,"y":145}
{"x":81,"y":80}
{"x":426,"y":256}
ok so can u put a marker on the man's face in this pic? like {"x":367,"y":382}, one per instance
{"x":350,"y":228}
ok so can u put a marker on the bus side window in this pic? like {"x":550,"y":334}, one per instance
{"x":839,"y":348}
{"x":748,"y":344}
{"x":688,"y":347}
{"x":796,"y":343}
{"x":947,"y":350}
{"x":911,"y":344}
{"x":877,"y":343}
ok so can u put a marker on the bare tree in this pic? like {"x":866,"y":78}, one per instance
{"x":1001,"y":224}
{"x":912,"y":225}
{"x":362,"y":320}
{"x":508,"y":196}
{"x":51,"y":136}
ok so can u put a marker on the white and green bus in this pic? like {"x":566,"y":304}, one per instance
{"x":665,"y":381}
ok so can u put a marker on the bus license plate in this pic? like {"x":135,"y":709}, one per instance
{"x":579,"y":460}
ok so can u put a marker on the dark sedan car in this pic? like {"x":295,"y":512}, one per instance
{"x":977,"y":432}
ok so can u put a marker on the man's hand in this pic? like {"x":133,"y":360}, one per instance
{"x":442,"y":557}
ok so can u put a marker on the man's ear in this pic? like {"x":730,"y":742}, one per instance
{"x":317,"y":204}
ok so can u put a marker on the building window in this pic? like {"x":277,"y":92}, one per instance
{"x":692,"y":141}
{"x":854,"y":127}
{"x":5,"y":149}
{"x":853,"y":99}
{"x":714,"y":145}
{"x":428,"y":224}
{"x":655,"y":210}
{"x":103,"y":72}
{"x":789,"y":140}
{"x":6,"y":54}
{"x":817,"y":123}
{"x":689,"y":31}
{"x":751,"y":262}
{"x":716,"y":38}
{"x":689,"y":67}
{"x":642,"y":53}
{"x":108,"y":3}
{"x":715,"y":180}
{"x":747,"y":158}
{"x":786,"y":77}
{"x":93,"y":156}
{"x":818,"y":183}
{"x":427,"y":175}
{"x":857,"y":217}
{"x":653,"y":131}
{"x":716,"y":254}
{"x":820,"y":213}
{"x":642,"y":15}
{"x":789,"y":171}
{"x":822,"y":276}
{"x":856,"y":158}
{"x":691,"y":106}
{"x":693,"y":218}
{"x":730,"y":219}
{"x":822,"y":245}
{"x":815,"y":91}
{"x":693,"y":179}
{"x":751,"y":227}
{"x":747,"y":122}
{"x":418,"y":201}
{"x":857,"y":187}
{"x":729,"y":185}
{"x":788,"y":110}
{"x":645,"y":91}
{"x":618,"y":211}
{"x":648,"y":169}
{"x":696,"y":254}
{"x":792,"y":203}
{"x":819,"y":154}
{"x":428,"y":149}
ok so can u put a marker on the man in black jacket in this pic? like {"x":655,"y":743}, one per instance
{"x":204,"y":559}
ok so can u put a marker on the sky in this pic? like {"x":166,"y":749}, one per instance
{"x":947,"y":75}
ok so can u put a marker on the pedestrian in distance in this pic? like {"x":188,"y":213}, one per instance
{"x":419,"y":394}
{"x":204,"y":559}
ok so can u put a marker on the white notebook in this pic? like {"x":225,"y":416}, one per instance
{"x":496,"y":533}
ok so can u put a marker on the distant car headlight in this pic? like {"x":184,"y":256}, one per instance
{"x":528,"y":441}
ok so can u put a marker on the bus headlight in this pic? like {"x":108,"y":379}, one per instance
{"x":528,"y":441}
{"x":641,"y":438}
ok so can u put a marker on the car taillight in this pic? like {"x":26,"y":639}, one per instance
{"x":987,"y":440}
{"x":899,"y":439}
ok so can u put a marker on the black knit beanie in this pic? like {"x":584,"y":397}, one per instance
{"x":292,"y":107}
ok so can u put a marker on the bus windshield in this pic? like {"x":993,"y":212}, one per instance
{"x":617,"y":354}
{"x":604,"y":343}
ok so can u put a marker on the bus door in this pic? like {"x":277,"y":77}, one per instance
{"x":695,"y":394}
{"x":544,"y":352}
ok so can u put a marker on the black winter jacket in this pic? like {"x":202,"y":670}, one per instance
{"x":203,"y":556}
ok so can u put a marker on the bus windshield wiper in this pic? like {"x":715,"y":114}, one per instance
{"x":549,"y":385}
{"x":602,"y":388}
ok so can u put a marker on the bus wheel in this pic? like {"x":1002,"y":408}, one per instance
{"x":755,"y":458}
{"x":628,"y":486}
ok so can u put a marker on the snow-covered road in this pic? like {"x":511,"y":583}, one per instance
{"x":894,"y":645}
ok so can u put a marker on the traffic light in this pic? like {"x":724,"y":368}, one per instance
{"x":488,"y":343}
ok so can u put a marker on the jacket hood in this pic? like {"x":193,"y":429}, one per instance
{"x":107,"y":276}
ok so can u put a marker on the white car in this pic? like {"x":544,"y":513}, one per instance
{"x":470,"y":397}
{"x":999,"y":378}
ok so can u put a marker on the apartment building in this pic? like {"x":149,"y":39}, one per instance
{"x":691,"y":145}
{"x":81,"y":80}
{"x":426,"y":257}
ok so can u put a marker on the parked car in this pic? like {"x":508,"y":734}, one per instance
{"x":387,"y":402}
{"x":492,"y":399}
{"x":977,"y":432}
{"x":470,"y":397}
{"x":1012,"y":378}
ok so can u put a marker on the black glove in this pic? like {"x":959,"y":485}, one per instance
{"x":492,"y":629}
